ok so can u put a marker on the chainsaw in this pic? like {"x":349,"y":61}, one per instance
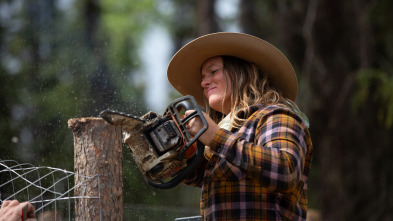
{"x":162,"y":147}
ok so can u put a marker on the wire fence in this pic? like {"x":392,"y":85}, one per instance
{"x":49,"y":189}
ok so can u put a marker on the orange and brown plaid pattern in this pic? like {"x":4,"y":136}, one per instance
{"x":258,"y":172}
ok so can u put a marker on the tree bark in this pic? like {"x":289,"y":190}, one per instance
{"x":98,"y":169}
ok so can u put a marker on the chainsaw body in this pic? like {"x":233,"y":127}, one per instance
{"x":161,"y":146}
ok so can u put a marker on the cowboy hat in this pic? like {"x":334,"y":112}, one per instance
{"x":184,"y":70}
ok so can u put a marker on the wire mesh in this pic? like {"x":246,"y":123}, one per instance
{"x":49,"y":189}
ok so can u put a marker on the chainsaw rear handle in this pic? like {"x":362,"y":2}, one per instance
{"x":188,"y":103}
{"x":184,"y":173}
{"x":185,"y":105}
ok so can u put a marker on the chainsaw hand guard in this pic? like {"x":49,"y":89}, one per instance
{"x":161,"y":146}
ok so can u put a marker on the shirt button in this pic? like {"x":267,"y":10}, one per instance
{"x":219,"y":150}
{"x":239,"y":163}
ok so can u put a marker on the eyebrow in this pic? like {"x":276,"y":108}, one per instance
{"x":210,"y":66}
{"x":207,"y":67}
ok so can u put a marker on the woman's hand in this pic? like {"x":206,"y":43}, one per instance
{"x":14,"y":211}
{"x":195,"y":125}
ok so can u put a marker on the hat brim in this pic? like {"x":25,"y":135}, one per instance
{"x":184,"y":70}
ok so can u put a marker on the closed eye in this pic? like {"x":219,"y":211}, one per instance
{"x":214,"y":71}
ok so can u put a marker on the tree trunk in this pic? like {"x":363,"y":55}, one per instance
{"x":248,"y":17}
{"x":98,"y":169}
{"x":102,"y":89}
{"x":206,"y":17}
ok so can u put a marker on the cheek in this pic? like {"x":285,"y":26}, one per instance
{"x":228,"y":88}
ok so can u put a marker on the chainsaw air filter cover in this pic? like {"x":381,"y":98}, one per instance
{"x":165,"y":136}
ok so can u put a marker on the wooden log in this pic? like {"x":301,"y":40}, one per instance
{"x":98,"y":169}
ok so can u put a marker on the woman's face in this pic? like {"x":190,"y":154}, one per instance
{"x":214,"y":85}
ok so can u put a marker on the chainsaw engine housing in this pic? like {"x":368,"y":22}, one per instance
{"x":161,"y":145}
{"x":166,"y":136}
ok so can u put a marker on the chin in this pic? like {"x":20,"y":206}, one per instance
{"x":216,"y":104}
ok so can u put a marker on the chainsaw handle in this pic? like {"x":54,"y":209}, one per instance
{"x":184,"y":173}
{"x":188,"y":103}
{"x":184,"y":104}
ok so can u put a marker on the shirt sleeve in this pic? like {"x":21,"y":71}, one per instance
{"x":270,"y":147}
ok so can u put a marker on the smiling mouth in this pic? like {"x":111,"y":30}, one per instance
{"x":209,"y":90}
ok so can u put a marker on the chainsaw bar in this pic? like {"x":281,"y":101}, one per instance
{"x":128,"y":122}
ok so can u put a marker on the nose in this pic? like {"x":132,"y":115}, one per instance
{"x":205,"y":82}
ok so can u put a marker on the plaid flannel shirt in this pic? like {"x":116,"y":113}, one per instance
{"x":258,"y":172}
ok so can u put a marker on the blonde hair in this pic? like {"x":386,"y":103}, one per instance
{"x":250,"y":86}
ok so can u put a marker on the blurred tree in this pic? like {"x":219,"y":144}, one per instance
{"x":7,"y":98}
{"x":340,"y":52}
{"x":206,"y":17}
{"x":102,"y":91}
{"x":57,"y":63}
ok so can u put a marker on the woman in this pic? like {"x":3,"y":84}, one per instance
{"x":258,"y":148}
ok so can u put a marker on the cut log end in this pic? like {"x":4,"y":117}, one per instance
{"x":75,"y":124}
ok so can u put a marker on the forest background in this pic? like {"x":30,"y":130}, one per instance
{"x":63,"y":59}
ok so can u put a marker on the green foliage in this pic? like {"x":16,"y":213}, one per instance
{"x":375,"y":87}
{"x":124,"y":22}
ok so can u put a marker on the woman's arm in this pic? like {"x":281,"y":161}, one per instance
{"x":194,"y":126}
{"x":271,"y":147}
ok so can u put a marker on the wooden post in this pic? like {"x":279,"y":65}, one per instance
{"x":98,"y":167}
